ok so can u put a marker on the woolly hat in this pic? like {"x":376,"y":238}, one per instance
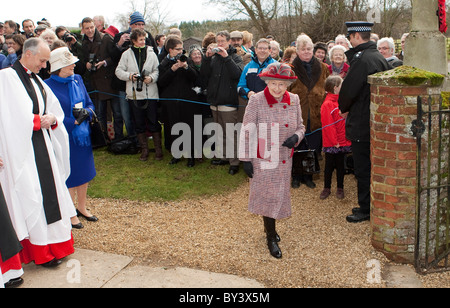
{"x":136,"y":17}
{"x":61,"y":57}
{"x":278,"y":71}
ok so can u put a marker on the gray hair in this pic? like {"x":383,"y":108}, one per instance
{"x":390,"y":42}
{"x":33,"y":44}
{"x":224,"y":33}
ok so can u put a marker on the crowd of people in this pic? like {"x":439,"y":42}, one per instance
{"x":316,"y":93}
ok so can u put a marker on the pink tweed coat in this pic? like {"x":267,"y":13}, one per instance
{"x":265,"y":127}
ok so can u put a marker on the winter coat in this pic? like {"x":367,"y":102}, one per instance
{"x":354,"y":96}
{"x":333,"y":124}
{"x":128,"y":65}
{"x":270,"y":185}
{"x":220,"y":77}
{"x":249,"y":80}
{"x":310,"y":90}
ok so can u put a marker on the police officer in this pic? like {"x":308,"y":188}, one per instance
{"x":354,"y":98}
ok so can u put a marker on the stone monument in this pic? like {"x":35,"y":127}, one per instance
{"x":426,"y":45}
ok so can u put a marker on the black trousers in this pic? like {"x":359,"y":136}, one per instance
{"x":145,"y":112}
{"x":362,"y":165}
{"x":334,"y":161}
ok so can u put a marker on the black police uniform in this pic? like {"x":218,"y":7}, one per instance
{"x":354,"y":98}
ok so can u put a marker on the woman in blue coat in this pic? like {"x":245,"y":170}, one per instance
{"x":78,"y":109}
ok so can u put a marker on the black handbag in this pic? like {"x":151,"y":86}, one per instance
{"x":98,"y":138}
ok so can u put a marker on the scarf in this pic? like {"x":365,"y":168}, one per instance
{"x":80,"y":134}
{"x":271,"y":100}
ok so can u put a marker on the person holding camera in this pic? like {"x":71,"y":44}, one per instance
{"x":176,"y":80}
{"x":96,"y":66}
{"x":138,"y":66}
{"x":74,"y":46}
{"x":220,"y":73}
{"x":78,"y":109}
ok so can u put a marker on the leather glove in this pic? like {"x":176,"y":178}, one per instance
{"x":248,"y":169}
{"x":291,"y":141}
{"x":80,"y":114}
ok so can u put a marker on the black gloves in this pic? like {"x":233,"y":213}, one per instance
{"x":291,"y":141}
{"x":248,"y":169}
{"x":80,"y":114}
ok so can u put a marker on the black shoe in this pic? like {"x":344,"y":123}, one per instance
{"x":358,"y":217}
{"x":52,"y":263}
{"x":295,"y":183}
{"x":309,"y":183}
{"x":191,"y":162}
{"x":274,"y":249}
{"x":174,"y":161}
{"x":78,"y":226}
{"x":233,"y":170}
{"x":13,"y":283}
{"x":219,"y":162}
{"x":92,"y":218}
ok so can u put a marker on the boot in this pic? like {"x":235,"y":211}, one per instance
{"x":269,"y":225}
{"x":158,"y":146}
{"x":142,"y":138}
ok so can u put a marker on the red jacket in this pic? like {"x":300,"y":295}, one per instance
{"x":332,"y":134}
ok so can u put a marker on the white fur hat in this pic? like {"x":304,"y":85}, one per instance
{"x":61,"y":57}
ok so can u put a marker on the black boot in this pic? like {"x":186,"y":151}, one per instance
{"x":269,"y":225}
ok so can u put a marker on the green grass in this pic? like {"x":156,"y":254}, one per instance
{"x":125,"y":177}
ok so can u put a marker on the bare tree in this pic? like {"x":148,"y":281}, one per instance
{"x":260,"y":12}
{"x":155,"y":15}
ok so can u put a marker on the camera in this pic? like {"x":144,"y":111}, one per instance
{"x":68,"y":37}
{"x":93,"y":60}
{"x":140,"y":80}
{"x":215,"y":50}
{"x":182,"y":57}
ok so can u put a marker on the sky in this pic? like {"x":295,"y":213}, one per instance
{"x":70,"y":13}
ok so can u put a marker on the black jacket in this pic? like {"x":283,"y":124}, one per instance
{"x":354,"y":97}
{"x":221,"y":76}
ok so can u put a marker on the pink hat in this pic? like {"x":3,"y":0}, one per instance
{"x":278,"y":71}
{"x":112,"y":31}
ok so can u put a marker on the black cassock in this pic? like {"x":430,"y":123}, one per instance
{"x":9,"y":243}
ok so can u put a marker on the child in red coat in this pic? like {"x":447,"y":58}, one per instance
{"x":335,"y":145}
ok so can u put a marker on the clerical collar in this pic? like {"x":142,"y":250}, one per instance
{"x":29,"y":72}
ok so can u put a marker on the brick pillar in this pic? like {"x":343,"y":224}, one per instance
{"x":393,"y":153}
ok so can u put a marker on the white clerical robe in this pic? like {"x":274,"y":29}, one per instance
{"x":19,"y":177}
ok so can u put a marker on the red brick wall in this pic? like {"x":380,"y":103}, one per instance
{"x":393,"y":183}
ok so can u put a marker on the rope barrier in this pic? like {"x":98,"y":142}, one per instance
{"x":206,"y":104}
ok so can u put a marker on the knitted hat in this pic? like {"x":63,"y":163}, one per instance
{"x":61,"y":57}
{"x":136,"y":17}
{"x":278,"y":71}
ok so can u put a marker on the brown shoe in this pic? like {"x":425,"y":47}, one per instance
{"x":340,"y":193}
{"x":325,"y":193}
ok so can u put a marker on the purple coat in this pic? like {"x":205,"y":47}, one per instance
{"x":265,"y":127}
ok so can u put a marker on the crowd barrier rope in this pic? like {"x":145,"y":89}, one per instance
{"x":205,"y":104}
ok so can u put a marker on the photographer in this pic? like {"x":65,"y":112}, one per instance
{"x":176,"y":80}
{"x":96,"y":77}
{"x":138,"y":66}
{"x":75,"y":48}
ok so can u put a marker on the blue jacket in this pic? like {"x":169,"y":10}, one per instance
{"x":249,"y":80}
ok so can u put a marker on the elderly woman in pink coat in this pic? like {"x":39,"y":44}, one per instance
{"x":272,"y":128}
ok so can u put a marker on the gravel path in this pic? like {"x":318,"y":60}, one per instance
{"x":218,"y":234}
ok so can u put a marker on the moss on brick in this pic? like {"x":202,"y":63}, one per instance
{"x":412,"y":76}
